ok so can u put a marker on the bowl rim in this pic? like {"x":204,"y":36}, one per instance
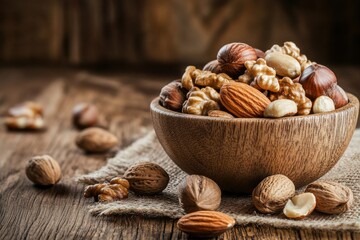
{"x":156,"y":107}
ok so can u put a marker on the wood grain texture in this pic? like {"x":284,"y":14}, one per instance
{"x":60,"y":212}
{"x":93,"y":31}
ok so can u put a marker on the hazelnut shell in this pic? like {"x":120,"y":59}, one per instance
{"x":232,"y":57}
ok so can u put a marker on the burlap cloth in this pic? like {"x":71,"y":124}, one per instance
{"x":166,"y":204}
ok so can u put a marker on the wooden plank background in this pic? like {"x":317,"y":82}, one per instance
{"x":172,"y":31}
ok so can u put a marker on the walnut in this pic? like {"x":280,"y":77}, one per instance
{"x":295,"y":92}
{"x":43,"y":170}
{"x":146,"y":178}
{"x":213,"y":80}
{"x":187,"y":80}
{"x":203,"y":78}
{"x":201,"y":101}
{"x":25,"y":116}
{"x":264,"y":77}
{"x":292,"y":50}
{"x":246,"y":77}
{"x":117,"y":189}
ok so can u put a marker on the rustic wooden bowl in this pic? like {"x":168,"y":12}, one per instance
{"x":239,"y":153}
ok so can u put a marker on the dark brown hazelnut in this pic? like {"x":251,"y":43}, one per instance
{"x":338,"y":95}
{"x":213,"y":66}
{"x":172,"y":96}
{"x":318,"y":80}
{"x":232,"y":57}
{"x":259,"y":53}
{"x":198,"y":193}
{"x":85,"y":115}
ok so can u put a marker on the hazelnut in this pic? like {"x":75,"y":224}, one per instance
{"x":331,"y":197}
{"x":146,"y":178}
{"x":338,"y":95}
{"x":96,"y":140}
{"x":259,"y":53}
{"x":213,"y":66}
{"x":300,"y":206}
{"x":232,"y":57}
{"x":85,"y":115}
{"x":323,"y":104}
{"x":272,"y":193}
{"x":198,"y":193}
{"x":43,"y":170}
{"x":172,"y":96}
{"x":318,"y":80}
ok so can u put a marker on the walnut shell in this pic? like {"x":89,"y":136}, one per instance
{"x":272,"y":193}
{"x":331,"y":197}
{"x":96,"y":140}
{"x":43,"y":170}
{"x":146,"y":178}
{"x":232,"y":57}
{"x":198,"y":193}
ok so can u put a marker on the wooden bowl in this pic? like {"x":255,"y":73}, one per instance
{"x":239,"y":153}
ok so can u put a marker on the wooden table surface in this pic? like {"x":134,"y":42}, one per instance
{"x":60,"y":212}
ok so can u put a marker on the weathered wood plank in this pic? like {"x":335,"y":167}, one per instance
{"x":61,"y":212}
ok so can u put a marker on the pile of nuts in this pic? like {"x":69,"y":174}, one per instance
{"x":246,"y":82}
{"x":45,"y":170}
{"x":276,"y":193}
{"x":200,"y":197}
{"x":144,"y":178}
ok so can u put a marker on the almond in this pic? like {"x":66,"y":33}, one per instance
{"x":220,"y":114}
{"x":96,"y":140}
{"x":243,"y":100}
{"x":205,"y":223}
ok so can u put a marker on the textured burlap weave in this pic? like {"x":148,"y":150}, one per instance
{"x":166,"y":204}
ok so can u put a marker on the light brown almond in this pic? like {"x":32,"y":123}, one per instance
{"x":219,"y":114}
{"x":205,"y":223}
{"x":243,"y":100}
{"x":96,"y":140}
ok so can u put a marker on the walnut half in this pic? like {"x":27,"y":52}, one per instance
{"x":201,"y":101}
